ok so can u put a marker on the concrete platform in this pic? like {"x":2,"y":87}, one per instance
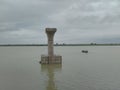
{"x":57,"y":59}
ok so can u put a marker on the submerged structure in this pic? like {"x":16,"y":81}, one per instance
{"x":51,"y":58}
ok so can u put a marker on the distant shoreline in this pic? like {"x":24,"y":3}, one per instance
{"x":60,"y":45}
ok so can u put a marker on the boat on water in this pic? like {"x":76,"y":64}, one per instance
{"x":84,"y":51}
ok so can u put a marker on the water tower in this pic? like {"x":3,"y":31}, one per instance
{"x":51,"y":58}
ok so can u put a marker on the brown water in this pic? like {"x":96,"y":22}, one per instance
{"x":97,"y":70}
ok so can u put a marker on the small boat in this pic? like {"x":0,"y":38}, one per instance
{"x":84,"y":51}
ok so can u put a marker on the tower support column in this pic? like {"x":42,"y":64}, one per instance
{"x":51,"y":57}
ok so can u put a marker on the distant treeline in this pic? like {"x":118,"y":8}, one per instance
{"x":92,"y":44}
{"x":23,"y":45}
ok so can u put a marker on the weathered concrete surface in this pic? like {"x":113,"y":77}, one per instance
{"x":45,"y":59}
{"x":51,"y":58}
{"x":50,"y":35}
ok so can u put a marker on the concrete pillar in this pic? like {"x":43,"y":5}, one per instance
{"x":51,"y":58}
{"x":50,"y":35}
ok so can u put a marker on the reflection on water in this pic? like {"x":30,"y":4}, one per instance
{"x":97,"y":70}
{"x":50,"y":71}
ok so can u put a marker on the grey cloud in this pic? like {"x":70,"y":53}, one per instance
{"x":77,"y":21}
{"x":94,"y":12}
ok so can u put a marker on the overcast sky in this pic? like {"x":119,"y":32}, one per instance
{"x":77,"y":21}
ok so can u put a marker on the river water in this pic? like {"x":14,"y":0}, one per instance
{"x":97,"y":70}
